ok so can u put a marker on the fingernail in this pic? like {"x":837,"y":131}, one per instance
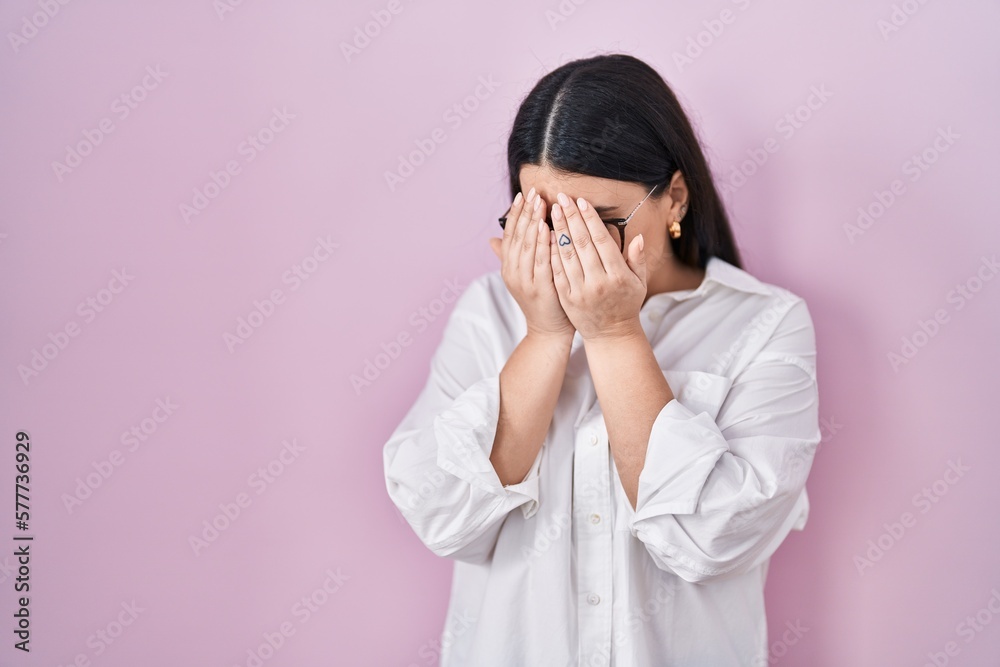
{"x":581,"y":203}
{"x":517,"y":199}
{"x":556,"y":212}
{"x":563,"y":199}
{"x":531,"y":193}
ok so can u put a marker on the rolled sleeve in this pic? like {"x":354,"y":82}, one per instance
{"x":465,"y":434}
{"x":437,"y":461}
{"x":718,"y":493}
{"x":674,"y":475}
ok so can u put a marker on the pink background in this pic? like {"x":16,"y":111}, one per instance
{"x":322,"y":175}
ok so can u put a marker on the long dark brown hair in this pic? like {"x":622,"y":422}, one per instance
{"x":613,"y":116}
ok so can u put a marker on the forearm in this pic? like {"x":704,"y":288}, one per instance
{"x":632,"y":391}
{"x":530,"y":383}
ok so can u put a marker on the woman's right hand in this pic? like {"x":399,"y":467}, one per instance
{"x":525,"y":255}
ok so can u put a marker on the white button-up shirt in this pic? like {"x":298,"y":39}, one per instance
{"x":559,"y":569}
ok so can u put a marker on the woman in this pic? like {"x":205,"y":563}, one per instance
{"x":618,"y":424}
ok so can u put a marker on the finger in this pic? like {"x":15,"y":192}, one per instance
{"x":512,"y":216}
{"x":512,"y":213}
{"x":559,"y":276}
{"x":526,"y":259}
{"x":519,"y":242}
{"x":586,"y":238}
{"x":606,"y":246}
{"x":637,"y":258}
{"x":543,"y":255}
{"x":566,"y":244}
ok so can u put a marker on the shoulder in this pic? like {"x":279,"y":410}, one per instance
{"x":771,"y":299}
{"x":486,"y":301}
{"x":777,"y":316}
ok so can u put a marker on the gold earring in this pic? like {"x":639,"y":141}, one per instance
{"x":675,"y":226}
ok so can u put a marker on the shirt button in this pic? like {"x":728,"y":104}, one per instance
{"x":593,"y":438}
{"x":595,"y":518}
{"x":593,"y":598}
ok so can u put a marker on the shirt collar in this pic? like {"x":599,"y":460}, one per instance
{"x":717,"y":270}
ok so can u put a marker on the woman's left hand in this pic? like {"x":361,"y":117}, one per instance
{"x":600,"y":291}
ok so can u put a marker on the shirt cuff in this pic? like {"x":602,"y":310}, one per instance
{"x":465,"y":432}
{"x":682,"y":452}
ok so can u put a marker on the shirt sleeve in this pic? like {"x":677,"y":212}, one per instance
{"x":437,"y":461}
{"x":717,"y":496}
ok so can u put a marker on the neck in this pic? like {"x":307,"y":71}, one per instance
{"x":672,"y":276}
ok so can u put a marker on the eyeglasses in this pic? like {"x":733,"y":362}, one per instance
{"x":615,"y":226}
